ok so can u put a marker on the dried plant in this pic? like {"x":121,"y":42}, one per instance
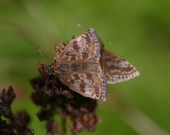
{"x":56,"y":98}
{"x":10,"y":123}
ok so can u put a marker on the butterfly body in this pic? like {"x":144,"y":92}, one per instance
{"x":72,"y":67}
{"x":85,"y":67}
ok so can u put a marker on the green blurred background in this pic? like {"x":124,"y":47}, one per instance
{"x":138,"y":30}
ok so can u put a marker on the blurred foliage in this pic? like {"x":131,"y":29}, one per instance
{"x":136,"y":30}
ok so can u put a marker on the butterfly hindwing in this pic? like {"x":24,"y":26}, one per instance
{"x":89,"y":83}
{"x":117,"y":69}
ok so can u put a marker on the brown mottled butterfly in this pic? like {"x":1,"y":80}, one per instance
{"x":85,"y":67}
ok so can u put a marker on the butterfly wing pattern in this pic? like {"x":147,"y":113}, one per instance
{"x":77,"y":65}
{"x":89,"y":83}
{"x":117,"y":69}
{"x":85,"y":67}
{"x":85,"y":48}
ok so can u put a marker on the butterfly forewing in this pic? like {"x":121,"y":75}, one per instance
{"x":117,"y":69}
{"x":84,"y":48}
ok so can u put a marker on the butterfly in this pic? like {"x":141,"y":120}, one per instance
{"x":86,"y":67}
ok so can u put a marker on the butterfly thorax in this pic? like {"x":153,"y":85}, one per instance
{"x":74,"y":67}
{"x":70,"y":67}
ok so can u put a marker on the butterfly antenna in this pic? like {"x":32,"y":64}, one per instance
{"x":80,"y":26}
{"x":41,"y":54}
